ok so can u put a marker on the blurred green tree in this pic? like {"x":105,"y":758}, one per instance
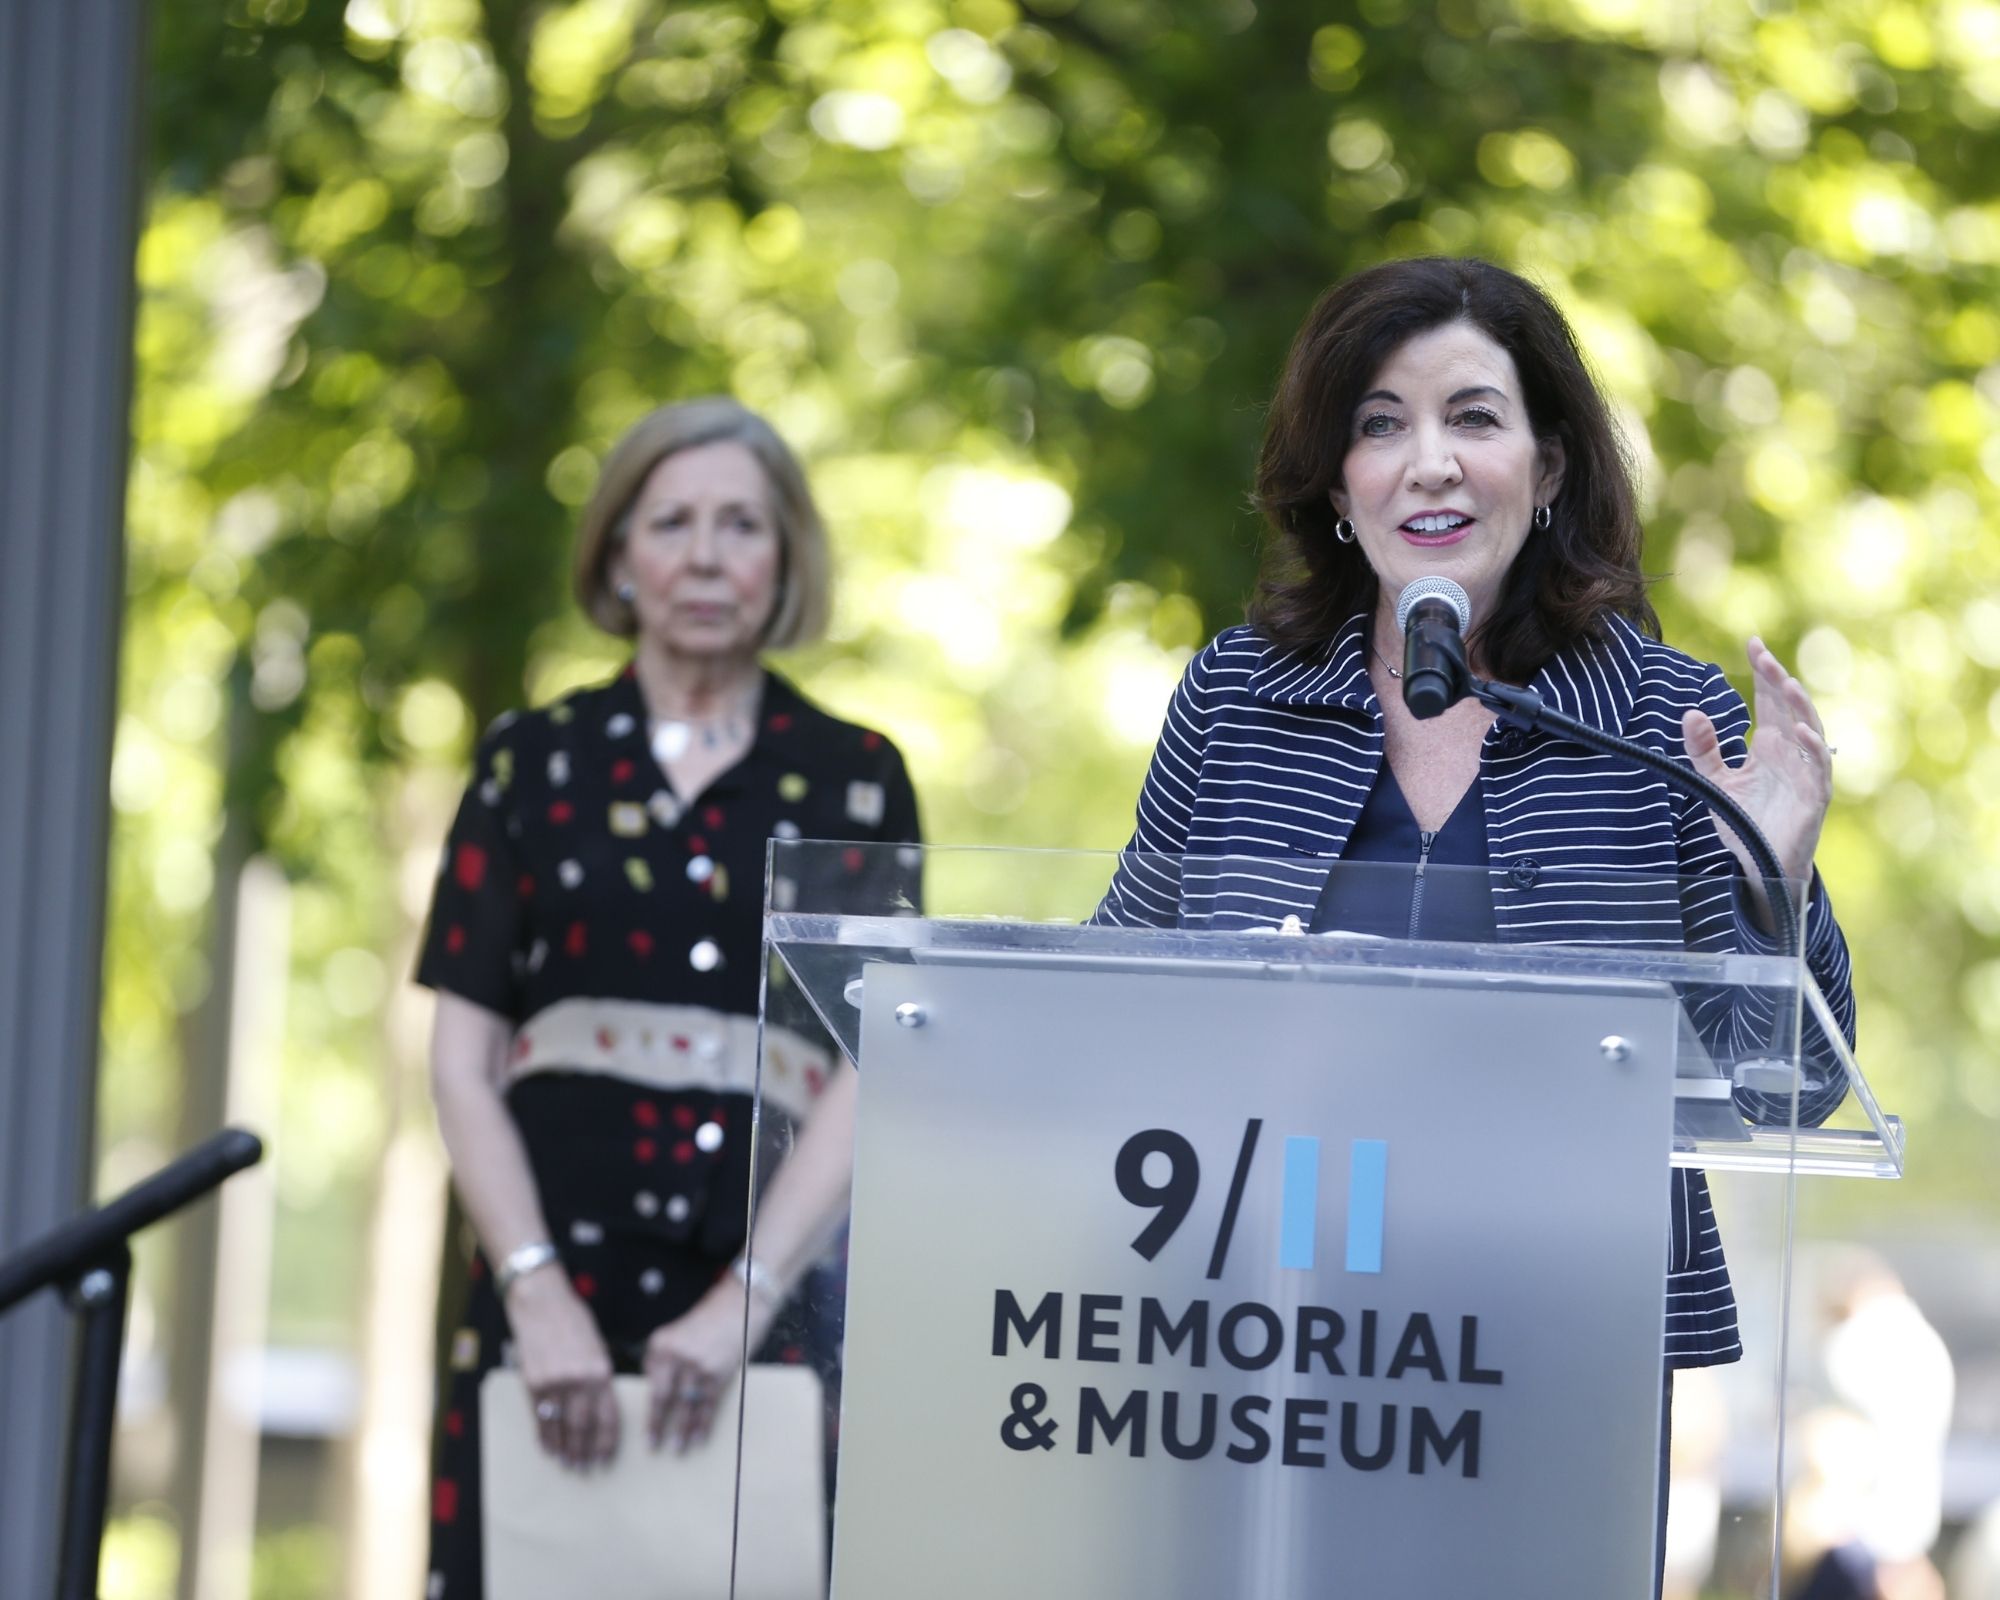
{"x":1017,"y":279}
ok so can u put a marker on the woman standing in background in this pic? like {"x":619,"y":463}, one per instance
{"x":595,"y":944}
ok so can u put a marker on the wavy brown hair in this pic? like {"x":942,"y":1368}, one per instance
{"x":1567,"y":579}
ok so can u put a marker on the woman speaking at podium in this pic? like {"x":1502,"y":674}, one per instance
{"x":1436,"y":419}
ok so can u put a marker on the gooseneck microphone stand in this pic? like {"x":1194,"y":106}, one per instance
{"x":1526,"y":710}
{"x":88,"y":1260}
{"x":1435,"y":676}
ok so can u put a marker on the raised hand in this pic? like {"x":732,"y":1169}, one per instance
{"x":1787,"y":781}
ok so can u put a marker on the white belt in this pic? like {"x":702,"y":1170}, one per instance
{"x":671,"y":1048}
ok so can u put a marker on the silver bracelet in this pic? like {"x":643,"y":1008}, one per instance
{"x":759,"y":1280}
{"x":520,"y":1262}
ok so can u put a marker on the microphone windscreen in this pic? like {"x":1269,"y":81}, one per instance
{"x":1432,"y":589}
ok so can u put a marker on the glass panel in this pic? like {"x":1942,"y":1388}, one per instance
{"x":1048,"y":1079}
{"x":1755,"y":1014}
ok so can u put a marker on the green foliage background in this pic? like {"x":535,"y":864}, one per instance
{"x":1016,"y":278}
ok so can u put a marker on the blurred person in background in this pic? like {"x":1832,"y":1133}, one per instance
{"x":1874,"y":1508}
{"x":1435,"y":418}
{"x":595,"y":945}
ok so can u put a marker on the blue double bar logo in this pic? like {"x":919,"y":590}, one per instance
{"x":1367,"y":1193}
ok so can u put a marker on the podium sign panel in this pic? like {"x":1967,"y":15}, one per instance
{"x":1259,"y":1318}
{"x":1203,"y":1260}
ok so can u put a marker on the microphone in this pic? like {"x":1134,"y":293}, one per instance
{"x":1433,"y":614}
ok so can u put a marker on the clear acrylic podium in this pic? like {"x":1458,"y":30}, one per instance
{"x":1203,"y":1261}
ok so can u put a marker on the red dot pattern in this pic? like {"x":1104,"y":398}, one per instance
{"x":469,"y":867}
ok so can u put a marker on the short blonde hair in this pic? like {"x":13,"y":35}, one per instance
{"x":804,"y":571}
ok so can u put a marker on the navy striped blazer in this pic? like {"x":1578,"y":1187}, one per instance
{"x":1268,"y":756}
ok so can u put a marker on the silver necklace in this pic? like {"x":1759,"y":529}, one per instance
{"x":673,"y":737}
{"x":1393,"y":672}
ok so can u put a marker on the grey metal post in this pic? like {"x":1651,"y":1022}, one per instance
{"x":71,"y":82}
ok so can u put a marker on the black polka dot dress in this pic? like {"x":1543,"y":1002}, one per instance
{"x":618,"y":927}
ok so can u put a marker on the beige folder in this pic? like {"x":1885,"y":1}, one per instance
{"x":655,"y":1525}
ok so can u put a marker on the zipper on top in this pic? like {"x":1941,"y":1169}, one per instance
{"x":1417,"y":885}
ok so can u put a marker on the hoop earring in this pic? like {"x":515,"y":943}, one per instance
{"x":1543,"y":517}
{"x":627,"y":592}
{"x":1343,"y":530}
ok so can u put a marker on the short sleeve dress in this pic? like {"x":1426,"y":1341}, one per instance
{"x":618,"y":928}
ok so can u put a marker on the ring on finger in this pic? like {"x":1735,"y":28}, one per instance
{"x":694,"y":1390}
{"x":548,"y":1410}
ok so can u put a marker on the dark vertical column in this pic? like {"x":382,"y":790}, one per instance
{"x":71,"y":91}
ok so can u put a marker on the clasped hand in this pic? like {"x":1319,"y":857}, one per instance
{"x":567,"y":1370}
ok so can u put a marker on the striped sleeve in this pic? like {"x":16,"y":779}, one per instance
{"x":1145,"y":890}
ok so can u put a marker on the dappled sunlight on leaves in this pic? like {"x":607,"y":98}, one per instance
{"x":1017,"y":282}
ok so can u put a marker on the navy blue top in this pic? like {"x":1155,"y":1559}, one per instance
{"x":1384,"y":885}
